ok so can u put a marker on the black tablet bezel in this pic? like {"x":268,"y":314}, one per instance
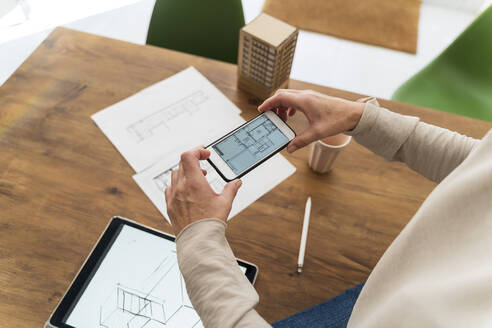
{"x":96,"y":257}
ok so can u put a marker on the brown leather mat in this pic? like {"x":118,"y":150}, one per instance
{"x":387,"y":23}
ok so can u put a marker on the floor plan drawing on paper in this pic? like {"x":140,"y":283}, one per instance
{"x":161,"y":301}
{"x":163,"y":118}
{"x":163,"y":180}
{"x":173,"y":115}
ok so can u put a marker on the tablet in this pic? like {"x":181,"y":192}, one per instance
{"x":131,"y":279}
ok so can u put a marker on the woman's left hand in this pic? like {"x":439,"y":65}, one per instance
{"x":190,"y":197}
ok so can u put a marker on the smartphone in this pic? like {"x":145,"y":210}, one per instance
{"x":246,"y":147}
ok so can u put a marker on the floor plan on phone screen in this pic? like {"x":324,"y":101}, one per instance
{"x":250,"y":144}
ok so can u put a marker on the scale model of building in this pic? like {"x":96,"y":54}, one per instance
{"x":266,"y":51}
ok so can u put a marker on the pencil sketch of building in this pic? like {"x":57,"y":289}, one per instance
{"x":161,"y":301}
{"x":164,"y":117}
{"x":163,"y":179}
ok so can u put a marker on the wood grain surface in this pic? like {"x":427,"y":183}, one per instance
{"x":61,"y":180}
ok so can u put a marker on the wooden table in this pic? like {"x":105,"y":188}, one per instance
{"x":61,"y":180}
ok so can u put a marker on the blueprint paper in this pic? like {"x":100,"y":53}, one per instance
{"x":138,"y":284}
{"x":256,"y":183}
{"x":174,"y":115}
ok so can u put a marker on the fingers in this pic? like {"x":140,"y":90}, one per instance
{"x":190,"y":161}
{"x":282,"y":98}
{"x":230,"y":189}
{"x":282,"y":113}
{"x":285,"y":112}
{"x":302,"y":140}
{"x":204,"y":172}
{"x":174,"y":178}
{"x":167,"y":196}
{"x":168,"y":190}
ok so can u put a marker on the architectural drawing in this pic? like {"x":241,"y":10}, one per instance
{"x":250,"y":144}
{"x":160,"y":301}
{"x":163,"y":180}
{"x":163,"y":118}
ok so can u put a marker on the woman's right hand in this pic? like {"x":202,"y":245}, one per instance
{"x":327,"y":115}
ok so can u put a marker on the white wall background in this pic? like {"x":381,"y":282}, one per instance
{"x":319,"y":59}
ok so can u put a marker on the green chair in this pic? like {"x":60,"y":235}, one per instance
{"x":459,"y":80}
{"x":206,"y":28}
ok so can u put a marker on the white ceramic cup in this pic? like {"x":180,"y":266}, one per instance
{"x":322,"y":153}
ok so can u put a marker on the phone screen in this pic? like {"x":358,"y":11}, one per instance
{"x":250,"y":144}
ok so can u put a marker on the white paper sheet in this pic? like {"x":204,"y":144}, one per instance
{"x":173,"y":115}
{"x":256,"y":183}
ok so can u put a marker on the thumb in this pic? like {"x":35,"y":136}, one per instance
{"x":302,"y":140}
{"x":230,"y":189}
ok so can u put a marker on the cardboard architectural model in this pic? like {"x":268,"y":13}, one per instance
{"x":266,"y":51}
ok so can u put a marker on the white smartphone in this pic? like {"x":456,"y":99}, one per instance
{"x":246,"y":147}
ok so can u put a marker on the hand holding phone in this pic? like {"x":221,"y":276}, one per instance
{"x":327,"y":115}
{"x":251,"y":144}
{"x":190,"y":197}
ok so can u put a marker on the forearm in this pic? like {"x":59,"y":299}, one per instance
{"x":429,"y":150}
{"x":220,"y":293}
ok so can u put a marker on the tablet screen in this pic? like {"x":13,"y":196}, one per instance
{"x":137,"y":284}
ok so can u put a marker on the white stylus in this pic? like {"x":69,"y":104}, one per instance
{"x":305,"y":227}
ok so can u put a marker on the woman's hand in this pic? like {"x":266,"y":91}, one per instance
{"x":190,"y":197}
{"x":327,"y":115}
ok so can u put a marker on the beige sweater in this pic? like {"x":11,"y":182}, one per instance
{"x":436,"y":273}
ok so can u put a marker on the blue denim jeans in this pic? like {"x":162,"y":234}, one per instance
{"x":334,"y":313}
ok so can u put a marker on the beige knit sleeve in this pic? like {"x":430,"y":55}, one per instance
{"x":220,"y":293}
{"x":427,"y":149}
